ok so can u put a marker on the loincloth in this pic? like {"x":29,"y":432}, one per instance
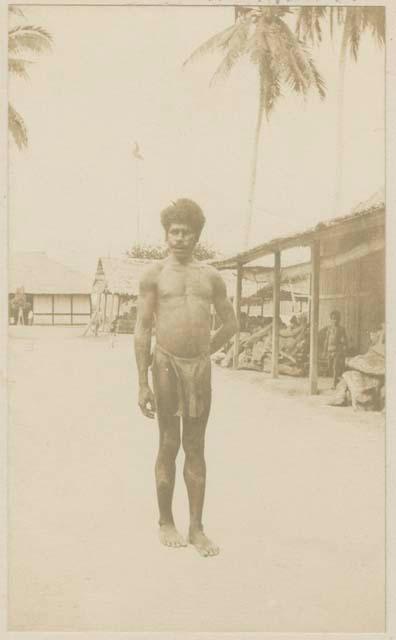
{"x":182,"y":386}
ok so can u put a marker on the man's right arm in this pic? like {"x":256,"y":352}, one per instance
{"x":143,"y":333}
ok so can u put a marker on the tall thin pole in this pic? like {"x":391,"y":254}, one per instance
{"x":276,"y":314}
{"x":137,"y":204}
{"x":237,"y":307}
{"x":314,"y":318}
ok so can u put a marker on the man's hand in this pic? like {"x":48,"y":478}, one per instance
{"x":147,"y":401}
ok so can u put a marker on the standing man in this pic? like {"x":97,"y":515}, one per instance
{"x":178,"y":292}
{"x":335,"y":347}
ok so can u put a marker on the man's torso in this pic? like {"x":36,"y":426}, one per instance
{"x":184,"y":294}
{"x":335,"y":337}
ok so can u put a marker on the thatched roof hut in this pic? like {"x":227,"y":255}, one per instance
{"x":120,"y":276}
{"x":56,"y":293}
{"x":39,"y":274}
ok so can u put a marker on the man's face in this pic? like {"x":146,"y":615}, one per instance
{"x":181,"y":240}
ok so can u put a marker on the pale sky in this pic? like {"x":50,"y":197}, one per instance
{"x":115,"y":75}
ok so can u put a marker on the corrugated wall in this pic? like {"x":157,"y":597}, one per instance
{"x":357,"y":290}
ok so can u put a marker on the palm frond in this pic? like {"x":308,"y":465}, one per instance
{"x":299,"y":69}
{"x":270,"y":84}
{"x":331,"y":21}
{"x":18,"y":67}
{"x":374,"y":19}
{"x":308,"y":24}
{"x":17,"y":128}
{"x":15,"y":10}
{"x":34,"y":39}
{"x":218,"y":41}
{"x":318,"y":80}
{"x":240,"y":12}
{"x":361,"y":19}
{"x":236,"y":49}
{"x":270,"y":13}
{"x":353,"y":26}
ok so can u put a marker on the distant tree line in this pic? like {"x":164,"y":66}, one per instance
{"x":157,"y":252}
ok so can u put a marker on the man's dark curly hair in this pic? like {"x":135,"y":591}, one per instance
{"x":336,"y":315}
{"x":183,"y":211}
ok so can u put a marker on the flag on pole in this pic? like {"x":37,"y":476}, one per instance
{"x":136,"y":152}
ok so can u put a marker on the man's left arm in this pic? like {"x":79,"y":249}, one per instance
{"x":225,"y":312}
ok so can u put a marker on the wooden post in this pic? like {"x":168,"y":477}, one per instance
{"x":105,"y":308}
{"x":276,"y":314}
{"x":314,"y":318}
{"x":118,"y":304}
{"x":237,"y":306}
{"x":112,"y":308}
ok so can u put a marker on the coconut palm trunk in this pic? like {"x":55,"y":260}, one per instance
{"x":339,"y":169}
{"x":253,"y":171}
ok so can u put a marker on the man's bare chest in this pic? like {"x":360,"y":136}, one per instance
{"x":176,"y":282}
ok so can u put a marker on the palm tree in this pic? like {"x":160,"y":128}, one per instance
{"x":23,"y":40}
{"x":354,"y":21}
{"x":281,"y":59}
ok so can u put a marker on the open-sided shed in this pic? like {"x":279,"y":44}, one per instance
{"x":116,"y":289}
{"x":346,"y":272}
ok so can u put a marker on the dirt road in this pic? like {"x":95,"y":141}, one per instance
{"x":295,"y":498}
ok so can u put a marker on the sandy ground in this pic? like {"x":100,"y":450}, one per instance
{"x":295,"y":498}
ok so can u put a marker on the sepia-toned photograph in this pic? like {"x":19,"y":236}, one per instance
{"x":196,"y":318}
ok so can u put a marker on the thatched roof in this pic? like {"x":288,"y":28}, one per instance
{"x":37,"y":273}
{"x":121,"y":275}
{"x":366,"y":215}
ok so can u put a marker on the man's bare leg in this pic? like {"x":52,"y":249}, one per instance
{"x":165,"y":471}
{"x":195,"y":478}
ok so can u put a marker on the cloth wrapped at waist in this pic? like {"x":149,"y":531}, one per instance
{"x":182,"y":386}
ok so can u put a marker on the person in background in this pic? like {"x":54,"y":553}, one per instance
{"x":335,"y":347}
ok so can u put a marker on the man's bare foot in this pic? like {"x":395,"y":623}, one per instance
{"x":170,"y":537}
{"x":203,"y":545}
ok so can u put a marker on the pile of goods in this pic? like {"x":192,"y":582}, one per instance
{"x":363,"y":383}
{"x":255,"y":348}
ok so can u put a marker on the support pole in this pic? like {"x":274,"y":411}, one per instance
{"x":105,"y":308}
{"x":314,"y":318}
{"x":276,"y":314}
{"x":237,"y":303}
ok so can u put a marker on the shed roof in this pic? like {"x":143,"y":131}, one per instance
{"x":39,"y":274}
{"x":365,"y":215}
{"x":121,"y":275}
